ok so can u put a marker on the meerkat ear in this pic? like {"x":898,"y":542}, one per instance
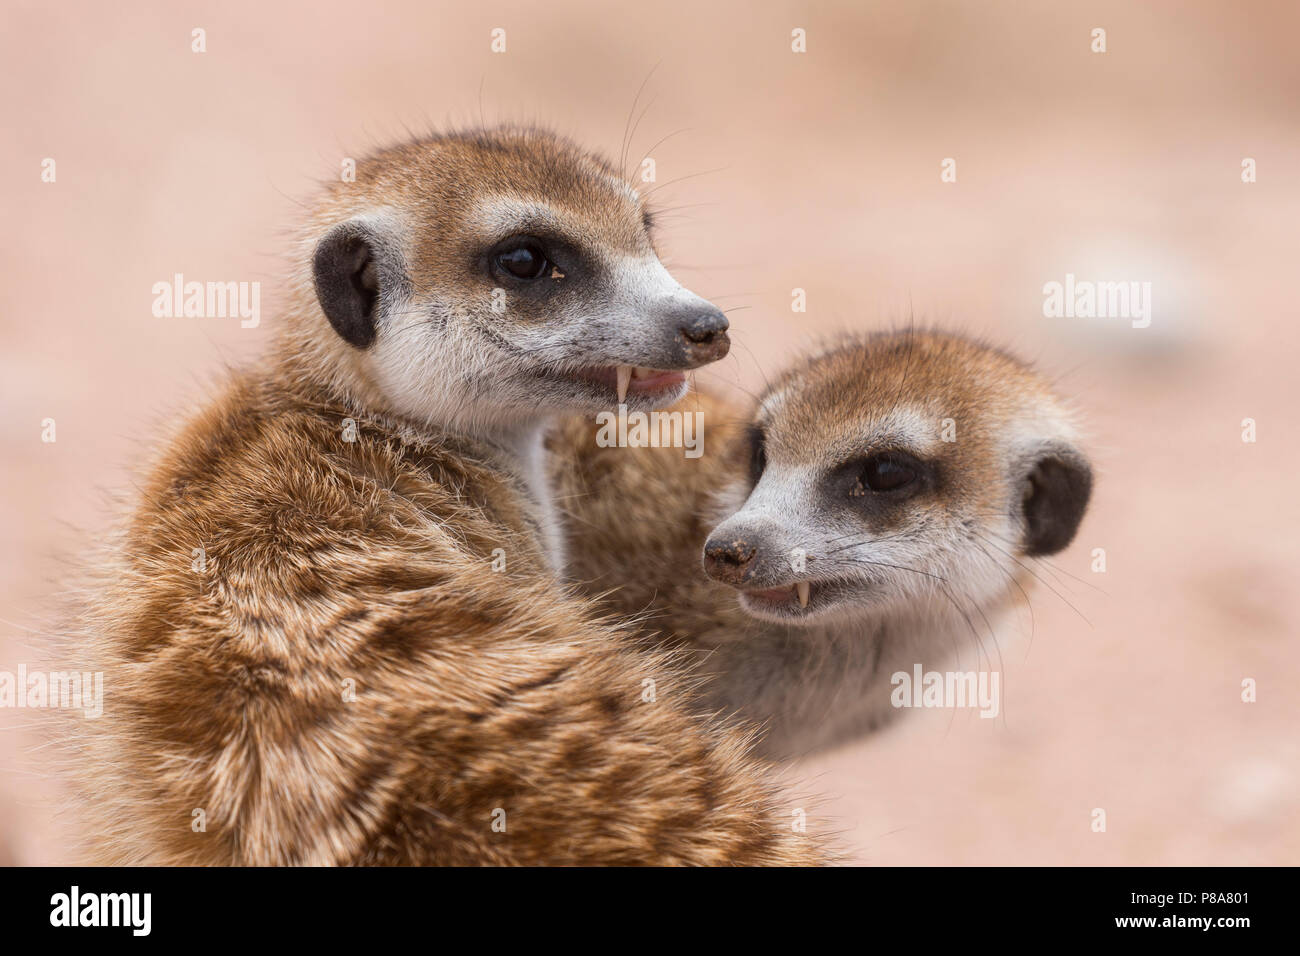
{"x":346,"y":268}
{"x":1056,"y":491}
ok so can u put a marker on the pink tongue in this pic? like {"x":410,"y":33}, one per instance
{"x":658,"y":380}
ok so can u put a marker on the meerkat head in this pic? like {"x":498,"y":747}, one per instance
{"x":479,"y":277}
{"x":910,"y":471}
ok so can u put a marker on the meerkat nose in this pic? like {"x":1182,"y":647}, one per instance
{"x":624,"y":376}
{"x":729,"y":561}
{"x":704,"y":333}
{"x":802,"y":588}
{"x":704,"y":326}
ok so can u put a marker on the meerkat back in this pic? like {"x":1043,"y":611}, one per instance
{"x":330,"y":626}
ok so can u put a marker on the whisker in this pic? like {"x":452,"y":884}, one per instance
{"x":1040,"y":580}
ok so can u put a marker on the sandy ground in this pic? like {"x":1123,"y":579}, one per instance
{"x":819,"y":171}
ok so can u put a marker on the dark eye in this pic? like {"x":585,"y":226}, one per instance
{"x":523,"y":261}
{"x":887,"y":473}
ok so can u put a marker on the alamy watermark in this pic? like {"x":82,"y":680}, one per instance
{"x":130,"y":910}
{"x":675,"y":429}
{"x":178,"y":299}
{"x":1085,"y":299}
{"x":66,"y":690}
{"x":922,"y":688}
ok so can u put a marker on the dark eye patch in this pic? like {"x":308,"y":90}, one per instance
{"x":888,"y":472}
{"x":525,"y":261}
{"x":882,"y":478}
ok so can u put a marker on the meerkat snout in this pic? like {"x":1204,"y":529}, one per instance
{"x":898,"y":472}
{"x":477,"y":277}
{"x":744,"y":555}
{"x":762,"y":550}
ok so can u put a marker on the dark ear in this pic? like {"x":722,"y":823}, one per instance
{"x":1057,"y":489}
{"x":346,"y":272}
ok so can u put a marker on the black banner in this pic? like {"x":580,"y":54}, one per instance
{"x":949,"y":905}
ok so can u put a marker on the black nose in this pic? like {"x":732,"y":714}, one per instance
{"x":729,"y":561}
{"x":704,"y":334}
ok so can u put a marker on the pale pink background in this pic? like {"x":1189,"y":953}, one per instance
{"x":818,"y":171}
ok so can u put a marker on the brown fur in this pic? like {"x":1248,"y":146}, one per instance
{"x":332,"y":565}
{"x":636,"y":520}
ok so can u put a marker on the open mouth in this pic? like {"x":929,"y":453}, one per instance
{"x":797,"y":599}
{"x":625,"y":380}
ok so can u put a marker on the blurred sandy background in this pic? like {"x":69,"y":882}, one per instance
{"x":817,"y":170}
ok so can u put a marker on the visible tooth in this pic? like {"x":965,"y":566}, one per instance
{"x":802,"y":588}
{"x":624,"y":376}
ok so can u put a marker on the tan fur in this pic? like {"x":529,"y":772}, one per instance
{"x":331,"y":566}
{"x":636,"y":520}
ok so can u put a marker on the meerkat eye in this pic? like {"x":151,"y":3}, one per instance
{"x":524,"y":260}
{"x":888,"y":472}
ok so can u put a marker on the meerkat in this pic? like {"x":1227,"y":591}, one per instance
{"x":873,"y":513}
{"x":331,"y":627}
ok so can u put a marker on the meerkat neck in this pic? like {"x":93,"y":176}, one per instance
{"x":521,"y":451}
{"x":516,"y":447}
{"x":813,"y":687}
